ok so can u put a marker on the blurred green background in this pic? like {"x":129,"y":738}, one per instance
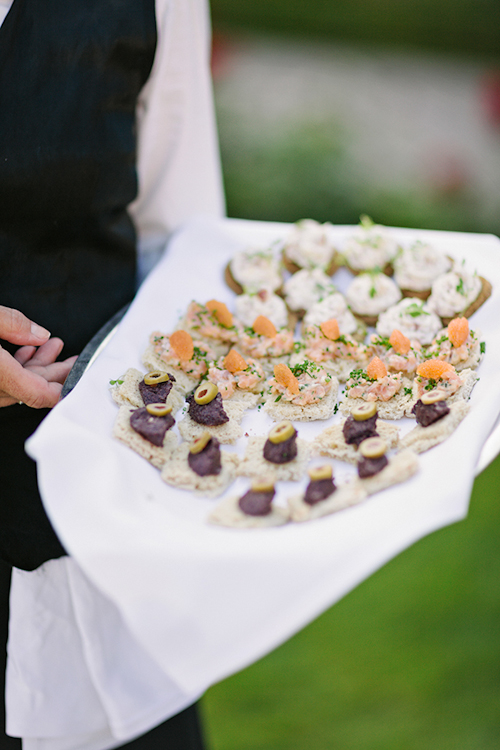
{"x":411,"y":658}
{"x":464,"y":26}
{"x":431,"y":68}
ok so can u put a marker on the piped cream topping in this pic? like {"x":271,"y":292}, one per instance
{"x":372,"y":293}
{"x":453,"y":292}
{"x":256,"y":269}
{"x":308,"y":244}
{"x":306,"y":287}
{"x":413,"y":318}
{"x":419,"y":265}
{"x":250,"y":306}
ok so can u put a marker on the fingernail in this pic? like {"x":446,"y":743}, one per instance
{"x":39,"y":332}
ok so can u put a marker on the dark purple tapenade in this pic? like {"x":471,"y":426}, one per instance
{"x":356,"y":431}
{"x":368,"y":467}
{"x":156,"y":394}
{"x":256,"y":503}
{"x":427,"y":414}
{"x":318,"y":490}
{"x":211,"y":414}
{"x":281,"y":453}
{"x":208,"y":461}
{"x":150,"y":427}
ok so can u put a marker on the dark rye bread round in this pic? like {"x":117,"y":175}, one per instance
{"x":483,"y":295}
{"x":292,"y":267}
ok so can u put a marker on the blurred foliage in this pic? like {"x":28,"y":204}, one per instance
{"x":305,"y":172}
{"x":410,"y":659}
{"x":471,"y":26}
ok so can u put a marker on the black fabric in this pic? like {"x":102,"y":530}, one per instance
{"x":70,"y":74}
{"x":26,"y":536}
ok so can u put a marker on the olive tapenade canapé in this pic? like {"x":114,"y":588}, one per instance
{"x":151,"y":427}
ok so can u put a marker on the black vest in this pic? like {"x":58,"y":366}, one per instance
{"x":70,"y":74}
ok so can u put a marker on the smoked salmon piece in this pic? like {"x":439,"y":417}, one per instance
{"x":220,"y":312}
{"x":434,"y":369}
{"x":376,"y":369}
{"x":264,"y":327}
{"x":286,"y":378}
{"x":234,"y":362}
{"x":399,"y":342}
{"x":330,"y":329}
{"x":458,"y":330}
{"x":182,"y":344}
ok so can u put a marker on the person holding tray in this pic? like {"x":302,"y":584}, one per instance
{"x":108,"y":144}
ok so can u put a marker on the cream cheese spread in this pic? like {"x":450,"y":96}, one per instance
{"x":453,"y":292}
{"x":371,"y":246}
{"x":419,"y":265}
{"x":306,"y":287}
{"x":256,"y":269}
{"x":333,"y":306}
{"x":250,"y":306}
{"x":308,"y":245}
{"x":372,"y":293}
{"x":413,"y":318}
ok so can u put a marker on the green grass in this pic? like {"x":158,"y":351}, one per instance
{"x":410,"y":659}
{"x":302,"y":170}
{"x":471,"y":26}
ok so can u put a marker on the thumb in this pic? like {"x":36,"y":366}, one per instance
{"x":18,"y":329}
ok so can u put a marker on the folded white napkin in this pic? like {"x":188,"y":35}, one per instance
{"x":154,"y":595}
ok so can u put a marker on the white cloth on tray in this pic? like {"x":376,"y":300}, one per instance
{"x":201,"y":601}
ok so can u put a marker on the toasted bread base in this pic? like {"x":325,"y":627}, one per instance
{"x":177,"y":473}
{"x":127,"y":392}
{"x":401,"y":467}
{"x":254,"y":464}
{"x":344,"y":496}
{"x":227,"y":433}
{"x":228,"y":513}
{"x":422,"y":439}
{"x":154,"y":454}
{"x":331,"y":442}
{"x":282,"y":409}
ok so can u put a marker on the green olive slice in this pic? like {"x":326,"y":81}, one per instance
{"x":200,"y":443}
{"x":432,"y":397}
{"x":205,"y":393}
{"x":373,"y":447}
{"x":158,"y":410}
{"x":265,"y":484}
{"x":281,"y":432}
{"x":316,"y":473}
{"x":364,"y":411}
{"x":156,"y":376}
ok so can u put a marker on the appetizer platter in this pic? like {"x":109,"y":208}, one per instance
{"x":292,"y":346}
{"x":223,"y":540}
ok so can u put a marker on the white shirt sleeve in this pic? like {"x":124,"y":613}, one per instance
{"x":178,"y":156}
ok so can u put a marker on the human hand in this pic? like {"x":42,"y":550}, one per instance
{"x":32,"y":375}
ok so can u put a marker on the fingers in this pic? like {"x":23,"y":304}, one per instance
{"x":47,"y":353}
{"x":19,"y":383}
{"x":18,"y":329}
{"x":24,"y":354}
{"x":54,"y":373}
